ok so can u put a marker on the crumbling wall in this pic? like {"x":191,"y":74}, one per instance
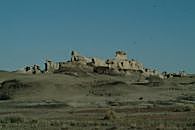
{"x":135,"y":65}
{"x":118,"y":65}
{"x":51,"y":66}
{"x":34,"y":69}
{"x":77,"y":58}
{"x":112,"y":64}
{"x":120,"y":55}
{"x":101,"y":69}
{"x":98,"y":62}
{"x":150,"y":72}
{"x":122,"y":63}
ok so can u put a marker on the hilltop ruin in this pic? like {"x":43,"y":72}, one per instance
{"x":119,"y":65}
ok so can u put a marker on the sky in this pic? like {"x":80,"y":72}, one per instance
{"x":158,"y":33}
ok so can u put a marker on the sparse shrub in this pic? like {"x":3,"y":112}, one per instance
{"x":73,"y":123}
{"x":153,"y":78}
{"x":96,"y":128}
{"x":186,"y":97}
{"x":183,"y":108}
{"x":110,"y":115}
{"x":64,"y":128}
{"x":133,"y":125}
{"x":12,"y":119}
{"x":56,"y":123}
{"x":4,"y":96}
{"x":9,"y":87}
{"x":161,"y":127}
{"x":33,"y":121}
{"x":154,"y":81}
{"x":112,"y":128}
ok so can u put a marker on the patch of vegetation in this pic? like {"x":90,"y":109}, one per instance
{"x":154,"y":78}
{"x":186,"y":97}
{"x":3,"y":71}
{"x":12,"y":119}
{"x":184,"y":108}
{"x":9,"y":87}
{"x":108,"y":83}
{"x":107,"y":88}
{"x":110,"y":115}
{"x":154,"y":81}
{"x":189,"y":83}
{"x":5,"y":96}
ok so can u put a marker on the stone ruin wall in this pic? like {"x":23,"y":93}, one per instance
{"x":34,"y":69}
{"x":119,"y":64}
{"x":120,"y":55}
{"x":51,"y":66}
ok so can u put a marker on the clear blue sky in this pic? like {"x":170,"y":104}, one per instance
{"x":159,"y":33}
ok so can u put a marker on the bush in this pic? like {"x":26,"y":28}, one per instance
{"x":110,"y":115}
{"x":12,"y":119}
{"x":154,"y":78}
{"x":4,"y":96}
{"x":9,"y":87}
{"x":183,"y":108}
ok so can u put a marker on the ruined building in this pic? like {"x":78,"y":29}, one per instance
{"x":51,"y":66}
{"x":120,"y":64}
{"x":77,"y":58}
{"x":120,"y":55}
{"x":34,"y":69}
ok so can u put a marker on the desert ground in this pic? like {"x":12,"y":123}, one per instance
{"x":95,"y":102}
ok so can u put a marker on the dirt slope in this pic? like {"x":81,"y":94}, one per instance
{"x":67,"y":101}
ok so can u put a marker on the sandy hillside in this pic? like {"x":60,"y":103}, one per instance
{"x":92,"y":101}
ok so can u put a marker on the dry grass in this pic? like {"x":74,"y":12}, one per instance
{"x":95,"y":102}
